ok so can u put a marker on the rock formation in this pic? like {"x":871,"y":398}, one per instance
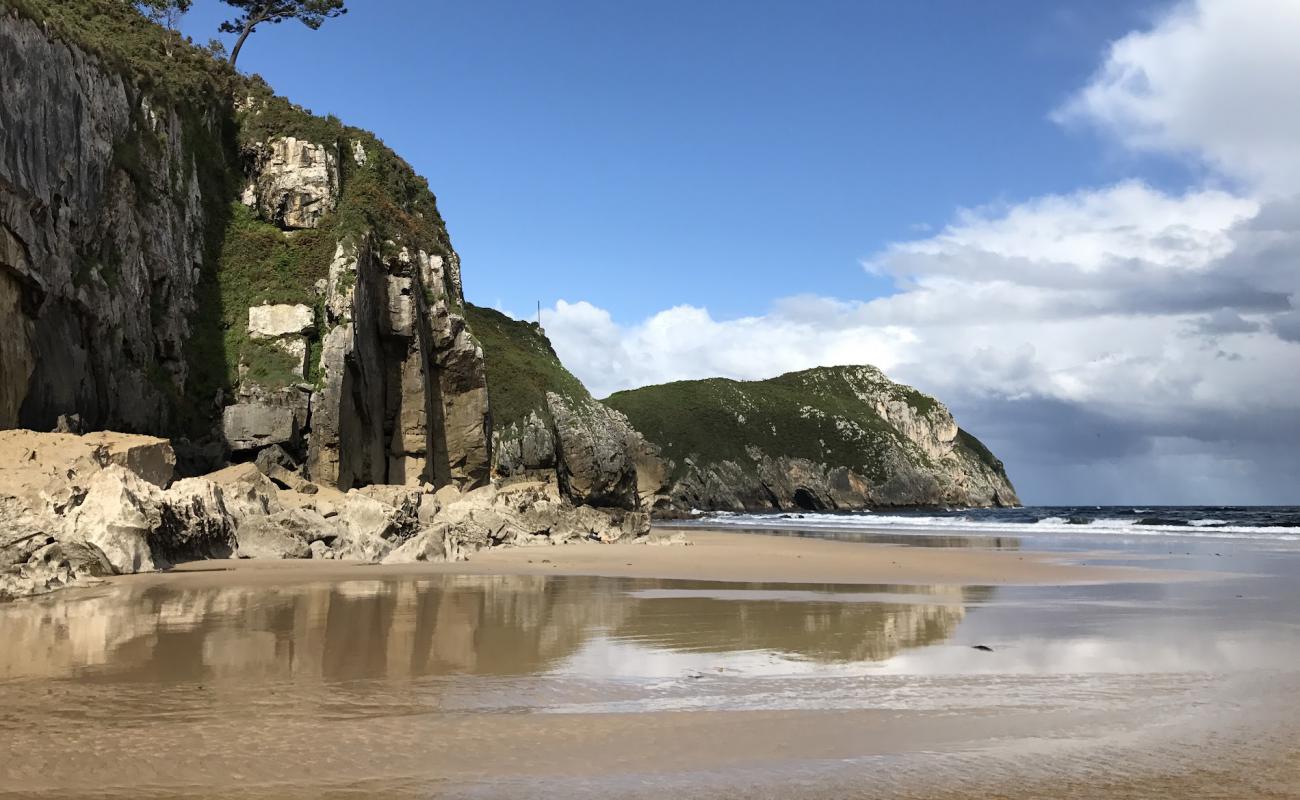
{"x":292,"y":183}
{"x":544,"y":419}
{"x":837,"y":438}
{"x":75,"y":509}
{"x":101,"y":238}
{"x":822,"y":439}
{"x":295,"y":297}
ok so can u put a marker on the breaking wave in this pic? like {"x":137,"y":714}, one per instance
{"x":1210,"y":522}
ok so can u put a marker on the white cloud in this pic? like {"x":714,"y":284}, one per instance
{"x":1119,"y":343}
{"x":1214,"y":79}
{"x":686,"y":342}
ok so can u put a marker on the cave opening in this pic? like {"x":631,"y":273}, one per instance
{"x":806,"y":500}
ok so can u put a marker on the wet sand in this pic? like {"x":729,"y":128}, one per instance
{"x":567,"y":672}
{"x":712,"y":556}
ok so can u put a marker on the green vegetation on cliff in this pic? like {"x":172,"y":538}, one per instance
{"x":828,"y":415}
{"x":521,"y":367}
{"x":262,"y":264}
{"x":977,"y":450}
{"x":156,"y":59}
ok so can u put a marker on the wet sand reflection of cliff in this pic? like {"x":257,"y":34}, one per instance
{"x":447,"y":625}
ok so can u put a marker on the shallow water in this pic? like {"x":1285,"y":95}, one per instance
{"x":581,"y":686}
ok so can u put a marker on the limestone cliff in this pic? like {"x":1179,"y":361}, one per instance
{"x":185,"y":254}
{"x":182,"y":253}
{"x":545,"y":419}
{"x":822,"y":439}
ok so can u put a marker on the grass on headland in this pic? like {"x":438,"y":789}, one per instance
{"x":826,"y":415}
{"x":521,"y":367}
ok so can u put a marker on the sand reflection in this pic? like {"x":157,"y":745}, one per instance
{"x":446,"y":625}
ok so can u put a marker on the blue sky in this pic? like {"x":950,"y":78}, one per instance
{"x":643,"y":155}
{"x":1076,"y":223}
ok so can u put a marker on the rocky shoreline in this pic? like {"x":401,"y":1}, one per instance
{"x":78,"y":508}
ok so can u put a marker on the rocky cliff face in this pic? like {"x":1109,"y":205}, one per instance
{"x":822,"y":439}
{"x":544,"y":419}
{"x":101,"y":237}
{"x":241,"y":273}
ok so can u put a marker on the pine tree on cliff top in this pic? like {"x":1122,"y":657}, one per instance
{"x":311,"y":13}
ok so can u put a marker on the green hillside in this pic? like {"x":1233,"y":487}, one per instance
{"x":827,"y":415}
{"x":521,"y":367}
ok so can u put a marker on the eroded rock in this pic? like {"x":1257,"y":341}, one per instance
{"x":295,"y":182}
{"x":246,"y":492}
{"x":285,"y":534}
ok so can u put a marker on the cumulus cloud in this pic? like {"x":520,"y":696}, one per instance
{"x":686,"y":342}
{"x":1118,"y":343}
{"x":1213,"y":79}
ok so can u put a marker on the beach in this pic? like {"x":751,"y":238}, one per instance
{"x":740,"y":665}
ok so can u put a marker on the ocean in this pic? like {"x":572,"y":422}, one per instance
{"x":1266,"y":523}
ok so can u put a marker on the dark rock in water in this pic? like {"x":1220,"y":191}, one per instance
{"x":1078,"y":521}
{"x":983,"y":648}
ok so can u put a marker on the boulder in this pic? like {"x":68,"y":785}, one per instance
{"x":119,"y":514}
{"x":81,"y":559}
{"x":140,"y":527}
{"x":285,"y":534}
{"x":595,"y":463}
{"x":369,"y":529}
{"x":446,"y":495}
{"x":250,"y":426}
{"x":195,"y":523}
{"x":31,"y":456}
{"x":428,"y":509}
{"x":246,"y":492}
{"x":430,"y":544}
{"x":287,"y":479}
{"x":274,"y":456}
{"x":407,"y":497}
{"x":55,"y":565}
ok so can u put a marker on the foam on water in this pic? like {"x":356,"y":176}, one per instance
{"x":1143,"y":522}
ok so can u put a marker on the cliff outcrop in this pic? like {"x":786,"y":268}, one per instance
{"x":184,"y":254}
{"x":544,"y":419}
{"x":822,"y":439}
{"x":224,"y":278}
